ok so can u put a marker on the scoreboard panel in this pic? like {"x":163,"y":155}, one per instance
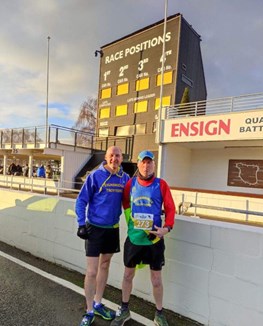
{"x":132,"y":66}
{"x":131,"y":75}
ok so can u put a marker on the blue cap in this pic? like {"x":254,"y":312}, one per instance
{"x":145,"y":154}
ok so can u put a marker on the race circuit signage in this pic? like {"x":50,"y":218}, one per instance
{"x":145,"y":45}
{"x":233,"y":126}
{"x":245,"y":173}
{"x":139,"y":56}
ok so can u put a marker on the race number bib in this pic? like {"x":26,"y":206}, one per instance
{"x":143,"y":221}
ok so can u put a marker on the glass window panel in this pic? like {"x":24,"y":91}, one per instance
{"x":154,"y":127}
{"x":121,"y":110}
{"x":123,"y":89}
{"x":104,"y":113}
{"x":140,"y":106}
{"x":140,"y":129}
{"x":106,"y":93}
{"x":142,"y":84}
{"x":125,"y":130}
{"x":103,"y":132}
{"x":167,"y":78}
{"x":166,"y":102}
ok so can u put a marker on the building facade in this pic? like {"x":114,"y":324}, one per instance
{"x":132,"y":73}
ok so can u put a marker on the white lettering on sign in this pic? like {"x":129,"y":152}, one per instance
{"x":141,"y":63}
{"x":122,"y":69}
{"x":122,"y":80}
{"x":167,"y":53}
{"x":168,"y":67}
{"x":106,"y":74}
{"x":141,"y":75}
{"x":114,"y":57}
{"x":155,"y":41}
{"x":139,"y":98}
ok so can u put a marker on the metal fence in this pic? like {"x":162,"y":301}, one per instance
{"x":38,"y":185}
{"x":58,"y":135}
{"x":219,"y":206}
{"x":35,"y":136}
{"x":217,"y":106}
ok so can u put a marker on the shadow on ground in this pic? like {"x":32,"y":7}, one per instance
{"x":112,"y":294}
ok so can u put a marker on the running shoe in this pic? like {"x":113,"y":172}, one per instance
{"x":122,"y":315}
{"x":160,"y":320}
{"x":103,"y":311}
{"x":87,"y":319}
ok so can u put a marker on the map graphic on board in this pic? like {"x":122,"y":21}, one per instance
{"x":245,"y":173}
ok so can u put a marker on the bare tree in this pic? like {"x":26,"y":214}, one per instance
{"x":86,"y":121}
{"x":87,"y":116}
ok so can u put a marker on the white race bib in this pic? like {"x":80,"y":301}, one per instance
{"x":143,"y":221}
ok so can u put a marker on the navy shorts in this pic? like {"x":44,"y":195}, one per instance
{"x":102,"y":241}
{"x":152,"y":255}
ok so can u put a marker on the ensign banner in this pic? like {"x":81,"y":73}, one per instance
{"x":233,"y":126}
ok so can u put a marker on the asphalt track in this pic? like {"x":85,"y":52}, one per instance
{"x":34,"y":292}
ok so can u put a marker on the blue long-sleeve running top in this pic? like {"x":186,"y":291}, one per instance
{"x":99,"y":200}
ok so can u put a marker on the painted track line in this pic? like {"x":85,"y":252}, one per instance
{"x":73,"y":287}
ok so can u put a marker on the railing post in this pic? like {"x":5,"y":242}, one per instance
{"x":23,"y":138}
{"x":107,"y":140}
{"x":196,"y":106}
{"x":45,"y":186}
{"x":75,"y":139}
{"x":56,"y":135}
{"x":35,"y":138}
{"x":12,"y":142}
{"x":232,"y":104}
{"x":196,"y":197}
{"x":48,"y":137}
{"x":247,"y":208}
{"x":182,"y":201}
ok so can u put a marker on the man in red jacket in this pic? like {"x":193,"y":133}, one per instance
{"x":144,"y":197}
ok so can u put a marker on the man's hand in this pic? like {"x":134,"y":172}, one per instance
{"x":159,"y":232}
{"x":83,"y":232}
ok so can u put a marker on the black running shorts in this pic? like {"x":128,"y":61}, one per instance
{"x":102,"y":241}
{"x":152,"y":255}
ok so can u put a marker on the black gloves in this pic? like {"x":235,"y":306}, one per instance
{"x":83,"y":232}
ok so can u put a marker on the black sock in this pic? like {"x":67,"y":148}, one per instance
{"x":125,"y":305}
{"x":159,"y":312}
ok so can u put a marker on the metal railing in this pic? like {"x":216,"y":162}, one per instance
{"x":125,"y":143}
{"x":232,"y":207}
{"x":217,"y":106}
{"x":38,"y":185}
{"x":35,"y":136}
{"x":184,"y":206}
{"x":58,"y":135}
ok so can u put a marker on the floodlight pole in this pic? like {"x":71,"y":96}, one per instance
{"x":159,"y":122}
{"x":46,"y":142}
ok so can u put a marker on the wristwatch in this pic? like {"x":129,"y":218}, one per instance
{"x":168,"y":227}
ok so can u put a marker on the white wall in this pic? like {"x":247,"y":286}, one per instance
{"x":73,"y":162}
{"x":204,"y":168}
{"x":176,"y":170}
{"x":213,"y":271}
{"x":209,"y":169}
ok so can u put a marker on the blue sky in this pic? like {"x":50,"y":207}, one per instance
{"x":231,"y":33}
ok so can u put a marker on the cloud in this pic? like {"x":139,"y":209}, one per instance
{"x":231,"y":49}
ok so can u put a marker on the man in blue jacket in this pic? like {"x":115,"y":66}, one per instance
{"x":98,"y":209}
